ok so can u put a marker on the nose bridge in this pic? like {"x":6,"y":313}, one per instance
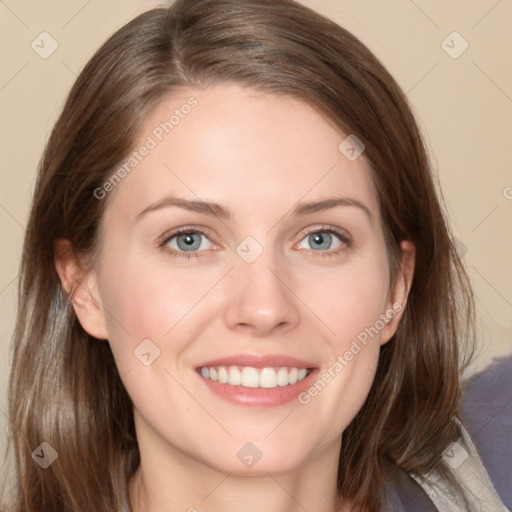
{"x":260,"y":298}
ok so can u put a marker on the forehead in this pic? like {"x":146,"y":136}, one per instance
{"x":252,"y":151}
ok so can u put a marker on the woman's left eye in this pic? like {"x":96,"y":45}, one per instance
{"x":187,"y":243}
{"x":324,"y":238}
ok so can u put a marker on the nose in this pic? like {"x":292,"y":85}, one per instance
{"x":260,"y":298}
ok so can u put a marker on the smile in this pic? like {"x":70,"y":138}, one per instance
{"x":250,"y":377}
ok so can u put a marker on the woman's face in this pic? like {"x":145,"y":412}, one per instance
{"x":269,"y":282}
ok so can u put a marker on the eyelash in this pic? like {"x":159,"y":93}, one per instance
{"x":347,"y":242}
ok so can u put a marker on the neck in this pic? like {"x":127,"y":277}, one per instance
{"x":187,"y":485}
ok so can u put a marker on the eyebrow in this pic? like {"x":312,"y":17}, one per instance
{"x":219,"y":211}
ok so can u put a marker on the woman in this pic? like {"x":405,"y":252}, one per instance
{"x":238,"y":286}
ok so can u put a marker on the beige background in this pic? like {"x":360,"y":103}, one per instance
{"x":464,"y":106}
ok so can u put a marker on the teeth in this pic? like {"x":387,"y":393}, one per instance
{"x":283,"y":378}
{"x":268,"y":378}
{"x":223,"y":374}
{"x":234,"y":376}
{"x":250,"y":377}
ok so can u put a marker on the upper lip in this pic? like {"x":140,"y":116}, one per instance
{"x":258,"y":361}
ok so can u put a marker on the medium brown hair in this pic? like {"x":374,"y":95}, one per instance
{"x":64,"y":386}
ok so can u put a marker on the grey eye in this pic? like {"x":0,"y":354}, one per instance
{"x":321,"y":240}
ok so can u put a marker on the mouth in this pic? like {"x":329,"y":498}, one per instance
{"x":257,"y":380}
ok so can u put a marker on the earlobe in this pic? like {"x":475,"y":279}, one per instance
{"x":399,"y":290}
{"x":82,"y":289}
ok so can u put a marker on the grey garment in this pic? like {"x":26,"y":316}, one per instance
{"x":487,"y":413}
{"x":462,"y":460}
{"x":406,"y":495}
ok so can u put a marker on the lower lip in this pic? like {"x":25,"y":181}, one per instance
{"x":259,"y":397}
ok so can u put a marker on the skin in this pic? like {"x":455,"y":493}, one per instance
{"x":258,"y":155}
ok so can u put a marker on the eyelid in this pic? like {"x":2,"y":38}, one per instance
{"x":171,"y":233}
{"x":342,"y":233}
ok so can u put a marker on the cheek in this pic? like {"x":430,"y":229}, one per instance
{"x":350,"y":298}
{"x":151,"y":301}
{"x":351,"y":301}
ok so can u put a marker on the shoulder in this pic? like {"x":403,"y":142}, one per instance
{"x":487,"y":414}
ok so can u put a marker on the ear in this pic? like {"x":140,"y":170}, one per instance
{"x":81,"y":287}
{"x":399,"y":291}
